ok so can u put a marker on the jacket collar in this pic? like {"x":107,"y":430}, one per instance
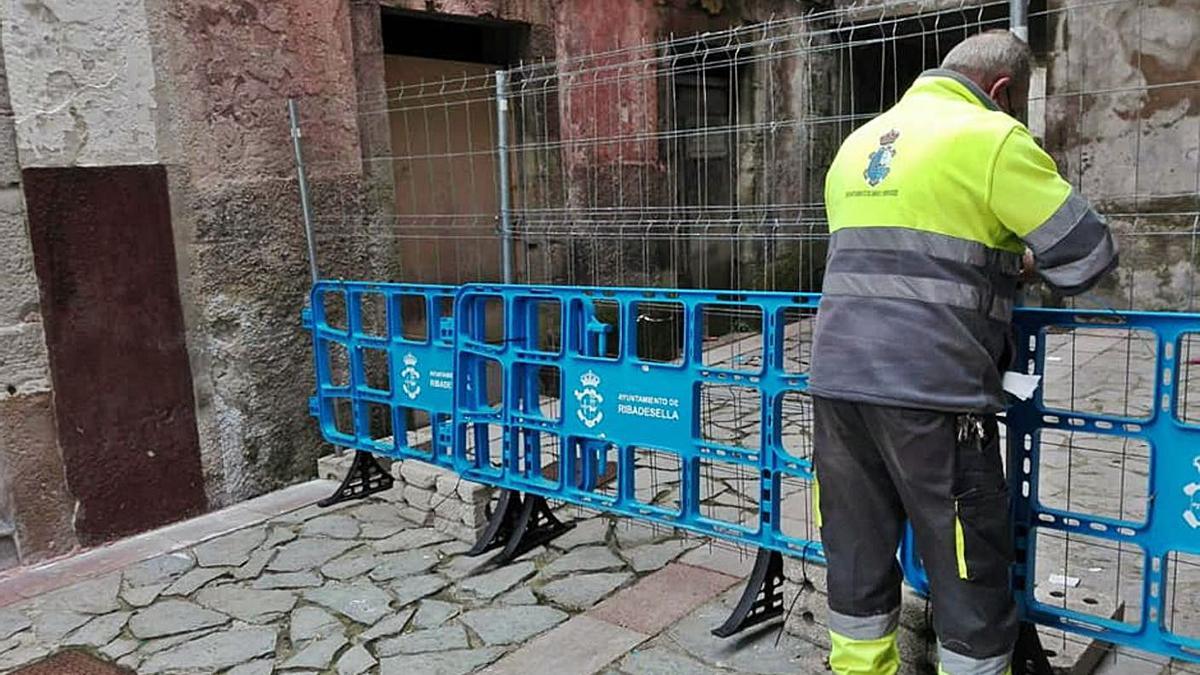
{"x":935,"y":80}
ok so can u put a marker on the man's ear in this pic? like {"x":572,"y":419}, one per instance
{"x":1002,"y":83}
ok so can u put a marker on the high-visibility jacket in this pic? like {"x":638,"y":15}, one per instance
{"x":930,"y":208}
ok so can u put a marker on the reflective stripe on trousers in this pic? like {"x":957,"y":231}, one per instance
{"x":864,"y":645}
{"x":950,"y":663}
{"x":944,"y":472}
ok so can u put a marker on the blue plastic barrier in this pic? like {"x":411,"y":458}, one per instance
{"x":626,"y":407}
{"x":384,"y":359}
{"x":581,"y":395}
{"x":1163,"y":524}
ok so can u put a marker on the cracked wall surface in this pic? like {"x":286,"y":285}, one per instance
{"x":82,"y":82}
{"x":1123,"y":122}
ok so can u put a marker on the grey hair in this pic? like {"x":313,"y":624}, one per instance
{"x":990,"y":55}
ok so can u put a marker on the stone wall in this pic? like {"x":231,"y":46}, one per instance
{"x":200,"y":88}
{"x":35,"y":506}
{"x":239,"y":235}
{"x":227,"y":70}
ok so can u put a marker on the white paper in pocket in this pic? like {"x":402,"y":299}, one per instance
{"x":1021,"y":385}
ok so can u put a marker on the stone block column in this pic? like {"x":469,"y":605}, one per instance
{"x":35,"y":506}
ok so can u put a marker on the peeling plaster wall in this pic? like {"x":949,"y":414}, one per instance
{"x":1126,"y":139}
{"x":1131,"y":141}
{"x":82,"y":82}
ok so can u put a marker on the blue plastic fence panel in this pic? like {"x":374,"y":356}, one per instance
{"x":625,"y":400}
{"x":910,"y":561}
{"x":689,"y":409}
{"x":1104,"y":466}
{"x":384,"y":367}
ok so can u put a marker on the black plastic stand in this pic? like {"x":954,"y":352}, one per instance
{"x":1028,"y":657}
{"x":365,"y":478}
{"x":519,"y":524}
{"x":763,"y":598}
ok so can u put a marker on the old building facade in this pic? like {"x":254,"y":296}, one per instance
{"x":153,"y":364}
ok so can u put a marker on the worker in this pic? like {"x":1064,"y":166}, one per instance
{"x":933,"y":206}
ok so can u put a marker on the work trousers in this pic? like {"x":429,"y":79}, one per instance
{"x":875,"y":467}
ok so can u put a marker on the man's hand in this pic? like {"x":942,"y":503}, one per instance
{"x":1028,"y":267}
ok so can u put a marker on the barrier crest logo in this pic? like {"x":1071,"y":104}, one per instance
{"x":1192,"y":514}
{"x":880,"y":164}
{"x":589,"y":398}
{"x":410,"y":377}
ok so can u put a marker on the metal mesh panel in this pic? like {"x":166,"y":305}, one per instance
{"x":698,"y":162}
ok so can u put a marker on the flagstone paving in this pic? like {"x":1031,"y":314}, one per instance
{"x":307,"y":591}
{"x":290,"y":587}
{"x":614,"y":597}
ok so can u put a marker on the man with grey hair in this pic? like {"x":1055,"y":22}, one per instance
{"x":1000,"y":64}
{"x":934,"y":208}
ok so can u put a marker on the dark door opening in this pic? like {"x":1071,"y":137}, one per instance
{"x":442,"y":118}
{"x":886,"y":57}
{"x":451,"y":38}
{"x":706,"y":96}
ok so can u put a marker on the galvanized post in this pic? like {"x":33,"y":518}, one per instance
{"x":302,"y":179}
{"x":502,"y":170}
{"x":1018,"y":18}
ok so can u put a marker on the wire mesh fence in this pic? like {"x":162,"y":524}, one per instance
{"x":698,"y":161}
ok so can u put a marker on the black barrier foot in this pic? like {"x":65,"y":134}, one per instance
{"x":535,"y":526}
{"x":763,"y":598}
{"x":499,"y":525}
{"x":519,"y":524}
{"x":1028,"y":657}
{"x":365,"y":477}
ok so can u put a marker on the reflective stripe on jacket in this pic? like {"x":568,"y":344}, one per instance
{"x":930,"y":208}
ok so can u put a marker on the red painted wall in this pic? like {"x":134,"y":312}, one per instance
{"x":611,"y":96}
{"x":105,"y":259}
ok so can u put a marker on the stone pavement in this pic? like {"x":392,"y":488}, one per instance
{"x":278,"y":585}
{"x":358,"y":588}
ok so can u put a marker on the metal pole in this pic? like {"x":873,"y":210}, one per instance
{"x":502,"y":168}
{"x":1018,"y":18}
{"x":305,"y":206}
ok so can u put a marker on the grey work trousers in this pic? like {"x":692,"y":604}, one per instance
{"x":877,"y":465}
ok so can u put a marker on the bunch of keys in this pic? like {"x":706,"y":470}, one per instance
{"x":968,"y":426}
